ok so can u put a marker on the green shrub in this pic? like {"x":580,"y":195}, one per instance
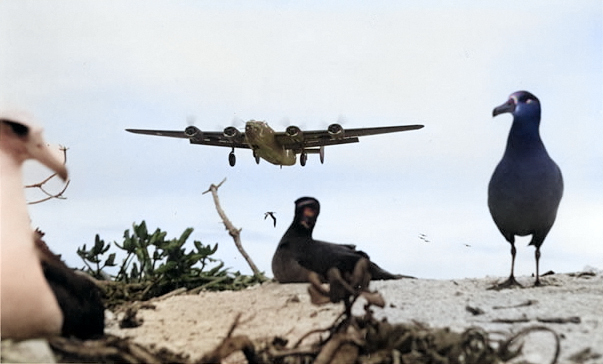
{"x":154,"y":266}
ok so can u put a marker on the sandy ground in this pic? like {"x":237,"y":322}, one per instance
{"x":194,"y":324}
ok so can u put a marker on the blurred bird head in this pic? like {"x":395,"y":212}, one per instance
{"x":306,"y":212}
{"x":521,"y":104}
{"x":23,"y":140}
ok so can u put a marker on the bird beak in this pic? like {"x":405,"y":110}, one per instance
{"x":41,"y":152}
{"x":308,"y":219}
{"x":508,"y":106}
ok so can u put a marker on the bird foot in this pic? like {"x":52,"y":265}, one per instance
{"x":538,"y":283}
{"x":509,"y":283}
{"x":344,"y":287}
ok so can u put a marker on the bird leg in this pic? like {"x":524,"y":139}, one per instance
{"x":511,"y":281}
{"x":345,"y":287}
{"x":537,"y":255}
{"x":513,"y":253}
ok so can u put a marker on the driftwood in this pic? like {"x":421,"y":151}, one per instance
{"x":232,"y":230}
{"x":365,"y":340}
{"x":110,"y":349}
{"x":40,"y":185}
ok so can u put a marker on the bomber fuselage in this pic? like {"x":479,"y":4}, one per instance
{"x":260,"y":138}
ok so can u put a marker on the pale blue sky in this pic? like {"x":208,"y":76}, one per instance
{"x":89,"y":69}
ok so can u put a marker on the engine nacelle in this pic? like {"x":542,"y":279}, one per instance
{"x":193,"y":133}
{"x":232,"y":133}
{"x":336,"y":131}
{"x":295,"y":133}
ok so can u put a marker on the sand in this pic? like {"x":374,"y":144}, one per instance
{"x":195,"y":324}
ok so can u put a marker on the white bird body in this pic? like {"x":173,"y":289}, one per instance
{"x":28,"y":306}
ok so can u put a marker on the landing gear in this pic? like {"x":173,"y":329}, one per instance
{"x":232,"y":158}
{"x":303,"y":158}
{"x":257,"y":157}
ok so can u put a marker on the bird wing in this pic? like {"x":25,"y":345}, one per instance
{"x":321,"y":256}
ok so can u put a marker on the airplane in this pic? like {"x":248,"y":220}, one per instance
{"x":279,"y":148}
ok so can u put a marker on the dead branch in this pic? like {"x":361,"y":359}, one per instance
{"x":232,"y":230}
{"x":40,"y":185}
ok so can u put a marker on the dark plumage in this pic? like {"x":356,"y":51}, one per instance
{"x":78,"y":296}
{"x":526,"y":187}
{"x":298,"y":252}
{"x":271,"y":214}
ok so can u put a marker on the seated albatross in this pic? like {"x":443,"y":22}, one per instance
{"x":39,"y":294}
{"x":298,"y":252}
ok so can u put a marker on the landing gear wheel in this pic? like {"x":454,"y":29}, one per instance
{"x":232,"y":159}
{"x":302,"y":159}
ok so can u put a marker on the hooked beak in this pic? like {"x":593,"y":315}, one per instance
{"x":308,"y":218}
{"x":38,"y":149}
{"x":508,"y":106}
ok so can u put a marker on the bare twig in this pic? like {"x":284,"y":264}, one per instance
{"x":523,"y":304}
{"x":40,"y":185}
{"x":506,"y":344}
{"x":232,"y":230}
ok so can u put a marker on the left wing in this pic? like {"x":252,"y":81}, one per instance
{"x":294,"y":138}
{"x":231,"y":137}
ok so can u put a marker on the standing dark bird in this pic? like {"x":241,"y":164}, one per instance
{"x":298,"y":252}
{"x":39,"y":296}
{"x":526,"y":187}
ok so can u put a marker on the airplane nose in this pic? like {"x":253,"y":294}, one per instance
{"x":251,"y":130}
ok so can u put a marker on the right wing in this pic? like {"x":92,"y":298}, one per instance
{"x":297,"y":139}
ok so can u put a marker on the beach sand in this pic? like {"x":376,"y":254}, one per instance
{"x":571,"y":304}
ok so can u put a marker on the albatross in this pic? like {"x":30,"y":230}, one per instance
{"x":298,"y":252}
{"x":526,"y":186}
{"x":40,"y":295}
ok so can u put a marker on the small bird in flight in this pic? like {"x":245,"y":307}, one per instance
{"x":271,"y":214}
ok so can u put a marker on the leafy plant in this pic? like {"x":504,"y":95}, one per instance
{"x":93,"y":256}
{"x":154,"y":265}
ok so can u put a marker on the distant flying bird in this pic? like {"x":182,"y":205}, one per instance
{"x":298,"y":252}
{"x":271,"y":214}
{"x":526,"y":187}
{"x":38,"y":295}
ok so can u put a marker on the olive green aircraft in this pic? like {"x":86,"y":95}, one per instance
{"x":279,"y":148}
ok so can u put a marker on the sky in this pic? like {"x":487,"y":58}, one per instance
{"x":414,"y":201}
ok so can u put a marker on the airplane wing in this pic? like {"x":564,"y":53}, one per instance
{"x":297,"y":139}
{"x":196,"y":136}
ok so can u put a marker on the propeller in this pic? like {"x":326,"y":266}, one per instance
{"x":284,"y":122}
{"x":341,"y":120}
{"x":237,"y":121}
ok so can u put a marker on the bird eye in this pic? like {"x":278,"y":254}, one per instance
{"x":529,"y":101}
{"x":17,"y":128}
